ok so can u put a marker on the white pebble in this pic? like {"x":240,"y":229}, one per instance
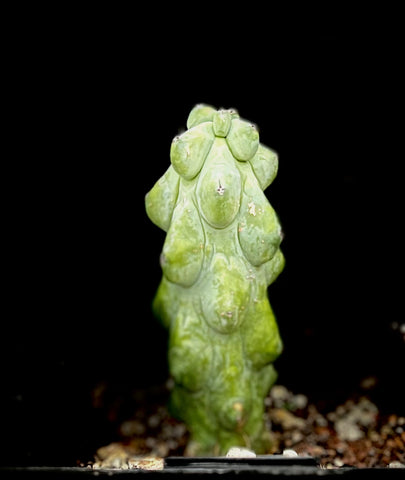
{"x":300,"y":401}
{"x":338,"y":462}
{"x":290,"y":453}
{"x":239,"y":452}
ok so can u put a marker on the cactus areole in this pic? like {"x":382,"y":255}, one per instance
{"x":221,"y":252}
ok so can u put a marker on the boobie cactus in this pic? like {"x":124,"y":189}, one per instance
{"x":220,"y":254}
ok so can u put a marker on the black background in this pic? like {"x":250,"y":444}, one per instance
{"x":92,"y":112}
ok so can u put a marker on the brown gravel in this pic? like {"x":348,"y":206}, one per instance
{"x":354,"y":433}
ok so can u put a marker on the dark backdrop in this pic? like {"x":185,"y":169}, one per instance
{"x":90,"y":127}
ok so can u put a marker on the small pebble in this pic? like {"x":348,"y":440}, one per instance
{"x":348,"y":430}
{"x":300,"y":401}
{"x":279,"y":394}
{"x":239,"y":452}
{"x":290,"y":453}
{"x":338,"y":462}
{"x":396,"y":464}
{"x":154,"y":421}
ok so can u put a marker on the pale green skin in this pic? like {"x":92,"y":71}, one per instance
{"x":220,"y":254}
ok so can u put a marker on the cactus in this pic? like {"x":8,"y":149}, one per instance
{"x":221,"y":252}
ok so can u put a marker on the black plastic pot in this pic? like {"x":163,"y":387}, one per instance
{"x":273,"y":466}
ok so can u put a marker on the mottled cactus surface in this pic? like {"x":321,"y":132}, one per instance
{"x":220,"y":254}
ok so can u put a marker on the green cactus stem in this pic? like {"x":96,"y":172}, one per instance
{"x":221,"y":252}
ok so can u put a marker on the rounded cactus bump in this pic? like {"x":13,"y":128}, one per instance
{"x":221,"y":252}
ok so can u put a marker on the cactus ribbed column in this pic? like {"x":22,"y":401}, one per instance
{"x":221,"y":252}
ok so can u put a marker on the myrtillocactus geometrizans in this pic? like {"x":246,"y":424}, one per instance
{"x":220,"y":254}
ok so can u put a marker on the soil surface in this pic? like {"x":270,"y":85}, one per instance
{"x":351,"y":433}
